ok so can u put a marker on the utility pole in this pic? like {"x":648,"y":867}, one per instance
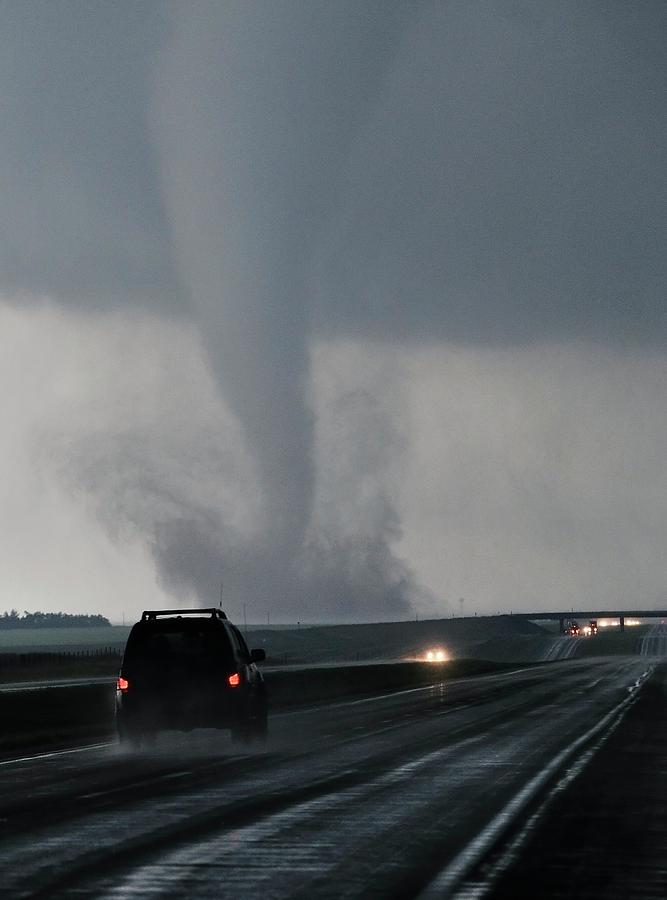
{"x":245,"y":622}
{"x":461,"y":605}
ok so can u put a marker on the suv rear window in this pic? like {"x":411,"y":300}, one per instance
{"x":163,"y":646}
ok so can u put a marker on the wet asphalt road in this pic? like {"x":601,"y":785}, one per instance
{"x":605,"y":838}
{"x":654,"y":643}
{"x":398,"y":796}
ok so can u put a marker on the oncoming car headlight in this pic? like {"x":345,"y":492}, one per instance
{"x":436,"y":656}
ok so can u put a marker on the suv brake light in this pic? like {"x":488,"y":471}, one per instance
{"x":122,"y":684}
{"x":234,"y":680}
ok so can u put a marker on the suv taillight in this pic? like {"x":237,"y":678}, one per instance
{"x":122,"y":684}
{"x":234,"y":680}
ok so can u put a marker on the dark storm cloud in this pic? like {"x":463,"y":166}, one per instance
{"x":490,"y":170}
{"x":474,"y":172}
{"x":82,"y":215}
{"x":511,"y":183}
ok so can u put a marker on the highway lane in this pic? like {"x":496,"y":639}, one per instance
{"x":655,"y":642}
{"x":562,"y":648}
{"x":378,"y":797}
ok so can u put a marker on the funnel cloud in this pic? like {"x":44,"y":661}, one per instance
{"x":252,"y":160}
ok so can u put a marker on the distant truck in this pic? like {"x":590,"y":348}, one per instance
{"x":572,"y":628}
{"x":593,"y":625}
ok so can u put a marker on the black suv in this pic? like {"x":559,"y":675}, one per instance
{"x":185,"y":669}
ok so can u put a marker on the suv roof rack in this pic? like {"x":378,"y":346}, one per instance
{"x":152,"y":614}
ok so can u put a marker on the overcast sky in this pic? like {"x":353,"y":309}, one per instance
{"x":355,"y":308}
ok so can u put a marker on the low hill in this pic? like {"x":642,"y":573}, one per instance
{"x":396,"y":640}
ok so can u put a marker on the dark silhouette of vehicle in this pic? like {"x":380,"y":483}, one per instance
{"x":572,"y":628}
{"x":186,"y":669}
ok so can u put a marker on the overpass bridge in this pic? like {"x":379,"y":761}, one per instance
{"x":620,"y":614}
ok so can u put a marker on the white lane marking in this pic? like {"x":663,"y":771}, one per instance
{"x":638,"y":682}
{"x":510,"y":854}
{"x":312,"y":709}
{"x":89,"y":748}
{"x":378,"y":697}
{"x":18,"y":687}
{"x":655,"y":642}
{"x":449,"y":878}
{"x":560,"y":649}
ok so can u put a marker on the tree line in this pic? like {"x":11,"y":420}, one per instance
{"x":13,"y":619}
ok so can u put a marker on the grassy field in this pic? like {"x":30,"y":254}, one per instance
{"x":315,"y":643}
{"x":28,"y":640}
{"x":45,"y":666}
{"x":503,"y":639}
{"x":43,"y":654}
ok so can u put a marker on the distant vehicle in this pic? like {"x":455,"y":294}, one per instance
{"x":573,"y":629}
{"x":593,"y":625}
{"x":185,"y":669}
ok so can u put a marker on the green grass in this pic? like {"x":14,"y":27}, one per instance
{"x":25,"y":640}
